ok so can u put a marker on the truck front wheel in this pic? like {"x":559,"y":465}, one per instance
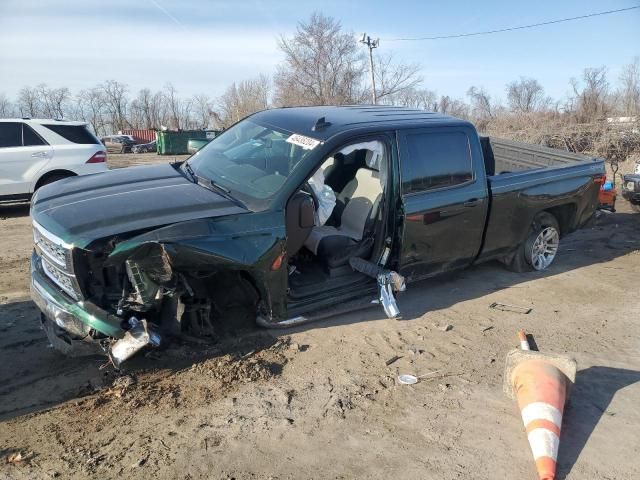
{"x":540,"y":248}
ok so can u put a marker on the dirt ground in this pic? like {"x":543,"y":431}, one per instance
{"x":319,"y":401}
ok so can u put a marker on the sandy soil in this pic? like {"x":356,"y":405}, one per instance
{"x":319,"y":401}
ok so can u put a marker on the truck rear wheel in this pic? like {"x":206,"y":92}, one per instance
{"x":540,"y":248}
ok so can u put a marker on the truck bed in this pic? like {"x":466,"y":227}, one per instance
{"x":524,"y":179}
{"x":505,"y":156}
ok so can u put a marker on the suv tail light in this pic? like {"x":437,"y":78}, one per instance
{"x":98,"y":157}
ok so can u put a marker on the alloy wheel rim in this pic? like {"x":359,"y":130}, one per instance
{"x":545,"y":248}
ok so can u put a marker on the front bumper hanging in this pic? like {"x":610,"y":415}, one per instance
{"x":75,"y":317}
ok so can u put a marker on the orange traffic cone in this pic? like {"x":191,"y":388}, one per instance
{"x":541,"y":385}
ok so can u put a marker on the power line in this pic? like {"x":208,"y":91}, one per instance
{"x":510,"y":29}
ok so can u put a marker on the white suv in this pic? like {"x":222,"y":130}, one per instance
{"x":35,"y":152}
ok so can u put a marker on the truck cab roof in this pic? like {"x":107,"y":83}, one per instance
{"x":323,"y":122}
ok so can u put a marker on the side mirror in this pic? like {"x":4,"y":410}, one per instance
{"x":307,"y":213}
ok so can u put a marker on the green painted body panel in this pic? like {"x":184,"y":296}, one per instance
{"x":84,"y":311}
{"x":250,"y":243}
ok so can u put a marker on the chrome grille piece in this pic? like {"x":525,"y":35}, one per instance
{"x":57,"y":262}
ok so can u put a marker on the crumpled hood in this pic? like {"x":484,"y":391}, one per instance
{"x":82,"y":209}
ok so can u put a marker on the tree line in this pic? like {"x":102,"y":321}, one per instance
{"x":324,"y":65}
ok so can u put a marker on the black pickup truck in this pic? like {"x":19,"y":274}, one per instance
{"x":301,"y":213}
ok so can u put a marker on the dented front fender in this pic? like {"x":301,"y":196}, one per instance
{"x":250,"y":243}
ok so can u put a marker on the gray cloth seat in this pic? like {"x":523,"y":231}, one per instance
{"x":364,"y":192}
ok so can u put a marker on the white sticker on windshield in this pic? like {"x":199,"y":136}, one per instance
{"x":307,"y":143}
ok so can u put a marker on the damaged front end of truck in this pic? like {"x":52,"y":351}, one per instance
{"x":121,"y":294}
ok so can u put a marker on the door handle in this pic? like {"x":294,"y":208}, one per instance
{"x":472,"y":202}
{"x":39,"y":154}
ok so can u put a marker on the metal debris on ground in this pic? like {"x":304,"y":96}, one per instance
{"x":393,"y":359}
{"x":511,"y":308}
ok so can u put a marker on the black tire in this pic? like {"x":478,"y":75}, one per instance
{"x":523,"y":260}
{"x":53,"y":178}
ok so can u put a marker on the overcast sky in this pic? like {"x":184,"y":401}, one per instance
{"x":202,"y":46}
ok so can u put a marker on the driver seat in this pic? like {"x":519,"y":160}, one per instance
{"x":335,"y":245}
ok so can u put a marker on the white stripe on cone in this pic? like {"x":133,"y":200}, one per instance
{"x":544,"y":443}
{"x":541,"y":411}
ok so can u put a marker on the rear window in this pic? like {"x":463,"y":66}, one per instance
{"x":10,"y":134}
{"x":435,"y":160}
{"x":74,"y":133}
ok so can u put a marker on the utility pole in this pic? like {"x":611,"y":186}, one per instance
{"x":371,"y":44}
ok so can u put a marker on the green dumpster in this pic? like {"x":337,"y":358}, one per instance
{"x":176,"y":143}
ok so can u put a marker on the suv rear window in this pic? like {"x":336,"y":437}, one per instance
{"x":74,"y":133}
{"x":10,"y":134}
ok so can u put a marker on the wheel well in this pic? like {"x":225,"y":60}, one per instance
{"x":240,"y":288}
{"x":53,"y":173}
{"x":565,"y":215}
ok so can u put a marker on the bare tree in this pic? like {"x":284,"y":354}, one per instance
{"x":242,"y":99}
{"x":202,"y":110}
{"x":186,"y":114}
{"x":54,"y":102}
{"x":453,"y":107}
{"x":149,"y":110}
{"x":173,"y":105}
{"x":91,"y":109}
{"x":116,"y":101}
{"x":393,"y":78}
{"x":591,"y":98}
{"x":178,"y":110}
{"x":481,"y":106}
{"x":526,"y":95}
{"x":156,"y":110}
{"x":136,"y":114}
{"x":629,"y":92}
{"x":29,"y":104}
{"x":322,"y":65}
{"x":150,"y":106}
{"x":6,"y":107}
{"x":422,"y":99}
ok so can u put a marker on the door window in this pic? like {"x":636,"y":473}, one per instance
{"x":10,"y":134}
{"x":435,"y":160}
{"x":30,"y":138}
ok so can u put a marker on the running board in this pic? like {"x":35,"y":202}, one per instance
{"x":388,"y":282}
{"x":364,"y":302}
